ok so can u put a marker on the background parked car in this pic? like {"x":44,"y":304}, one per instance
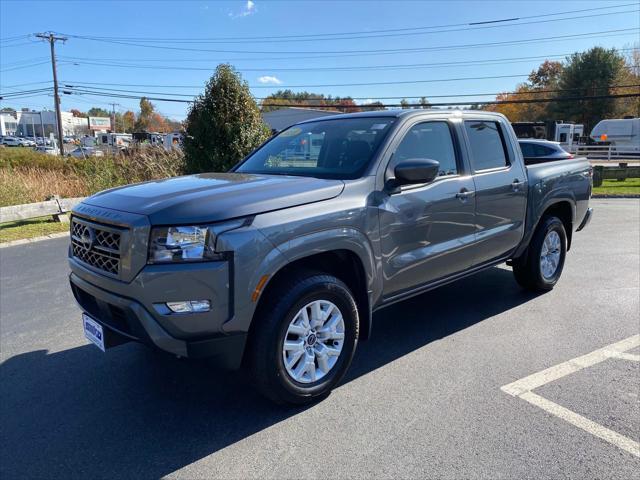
{"x":11,"y":141}
{"x":47,"y":150}
{"x":540,"y":151}
{"x":83,"y":152}
{"x":27,"y":142}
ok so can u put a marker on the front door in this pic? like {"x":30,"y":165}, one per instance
{"x":427,"y":230}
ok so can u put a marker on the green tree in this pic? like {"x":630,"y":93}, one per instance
{"x":404,"y":103}
{"x":223,"y":124}
{"x":590,"y":73}
{"x":98,"y":112}
{"x":424,"y":103}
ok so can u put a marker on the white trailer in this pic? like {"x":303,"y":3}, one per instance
{"x":623,"y":134}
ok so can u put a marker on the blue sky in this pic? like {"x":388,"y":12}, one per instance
{"x":166,"y":58}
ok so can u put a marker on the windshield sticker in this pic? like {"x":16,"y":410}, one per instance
{"x":378,"y":126}
{"x":292,"y":132}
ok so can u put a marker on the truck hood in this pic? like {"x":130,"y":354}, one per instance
{"x":212,"y":197}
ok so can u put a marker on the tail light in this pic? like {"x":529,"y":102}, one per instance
{"x":570,"y":156}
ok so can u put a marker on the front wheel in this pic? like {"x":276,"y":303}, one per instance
{"x":540,"y":269}
{"x":304,"y":338}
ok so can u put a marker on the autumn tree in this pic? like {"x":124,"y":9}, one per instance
{"x":144,"y":118}
{"x":284,"y":98}
{"x":374,"y":106}
{"x":629,"y":75}
{"x":77,"y":113}
{"x":224,"y":123}
{"x":541,"y":84}
{"x":128,"y":121}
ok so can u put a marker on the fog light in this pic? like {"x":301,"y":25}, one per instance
{"x":191,"y":306}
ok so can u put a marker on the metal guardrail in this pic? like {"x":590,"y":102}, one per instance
{"x":606,"y":153}
{"x":56,"y":207}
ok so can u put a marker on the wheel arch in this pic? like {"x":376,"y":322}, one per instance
{"x":345,"y":256}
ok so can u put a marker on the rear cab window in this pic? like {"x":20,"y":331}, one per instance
{"x":487,"y":144}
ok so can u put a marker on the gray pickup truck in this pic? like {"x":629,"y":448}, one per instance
{"x":279,"y":264}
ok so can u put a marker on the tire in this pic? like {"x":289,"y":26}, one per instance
{"x":531,"y":270}
{"x":275,"y":320}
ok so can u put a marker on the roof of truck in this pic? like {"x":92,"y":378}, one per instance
{"x":401,"y":113}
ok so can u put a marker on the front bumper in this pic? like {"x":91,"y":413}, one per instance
{"x":130,"y":320}
{"x":586,"y":219}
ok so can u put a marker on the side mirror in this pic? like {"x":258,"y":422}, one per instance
{"x":415,"y":170}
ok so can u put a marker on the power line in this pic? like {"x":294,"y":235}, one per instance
{"x":488,"y":62}
{"x":364,"y":84}
{"x":346,"y":53}
{"x":468,"y":27}
{"x":406,"y":30}
{"x":490,"y":102}
{"x":532,"y":92}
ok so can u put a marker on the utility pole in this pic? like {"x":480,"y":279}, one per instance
{"x":52,"y":39}
{"x":114,"y":125}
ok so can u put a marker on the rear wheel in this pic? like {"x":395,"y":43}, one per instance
{"x":540,"y":269}
{"x":305,"y":338}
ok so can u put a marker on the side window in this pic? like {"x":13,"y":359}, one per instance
{"x":541,"y":151}
{"x":527,"y":149}
{"x":429,"y":140}
{"x":487,"y":146}
{"x":546,"y":151}
{"x":563,"y":138}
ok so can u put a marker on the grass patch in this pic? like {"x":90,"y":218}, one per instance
{"x":36,"y":227}
{"x":28,"y":177}
{"x":631,"y":186}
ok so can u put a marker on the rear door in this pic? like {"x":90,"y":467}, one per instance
{"x":427,"y":230}
{"x":500,"y":189}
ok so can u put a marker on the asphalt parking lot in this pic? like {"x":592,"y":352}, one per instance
{"x":448,"y":387}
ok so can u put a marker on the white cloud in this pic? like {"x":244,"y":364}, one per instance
{"x":249,"y":8}
{"x":269,"y":79}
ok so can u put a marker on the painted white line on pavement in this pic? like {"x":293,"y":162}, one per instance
{"x":584,"y":423}
{"x":626,"y":356}
{"x":523,"y":389}
{"x":543,"y":377}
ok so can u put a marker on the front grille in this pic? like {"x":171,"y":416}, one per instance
{"x":96,"y":245}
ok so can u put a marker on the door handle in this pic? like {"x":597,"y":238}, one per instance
{"x":515,"y":185}
{"x":463,"y":194}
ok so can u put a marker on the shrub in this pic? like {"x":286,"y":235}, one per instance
{"x":223,"y":125}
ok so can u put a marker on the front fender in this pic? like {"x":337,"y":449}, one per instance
{"x":296,"y":249}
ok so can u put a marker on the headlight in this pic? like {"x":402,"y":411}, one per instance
{"x":195,"y":243}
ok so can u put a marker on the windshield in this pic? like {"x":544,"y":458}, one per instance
{"x":340,"y":149}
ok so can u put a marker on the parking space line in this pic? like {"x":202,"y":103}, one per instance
{"x":523,"y":389}
{"x":584,"y":423}
{"x":626,"y":356}
{"x":570,"y":366}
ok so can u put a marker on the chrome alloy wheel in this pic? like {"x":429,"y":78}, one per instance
{"x":550,"y":254}
{"x":313,"y":342}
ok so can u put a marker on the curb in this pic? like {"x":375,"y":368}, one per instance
{"x":24,"y":241}
{"x":604,"y":195}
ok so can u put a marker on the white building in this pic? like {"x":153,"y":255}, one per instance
{"x":31,"y":123}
